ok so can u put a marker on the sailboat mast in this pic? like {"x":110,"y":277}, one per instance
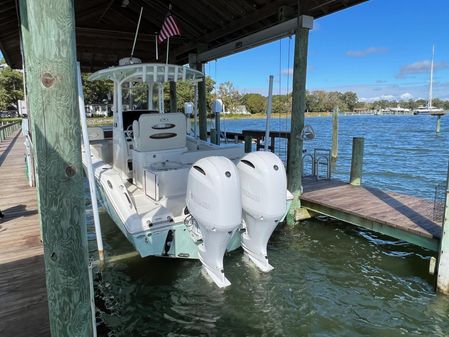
{"x":431,"y":77}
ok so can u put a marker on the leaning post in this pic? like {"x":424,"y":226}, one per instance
{"x":294,"y":159}
{"x":357,"y":161}
{"x":443,"y":253}
{"x":50,"y":60}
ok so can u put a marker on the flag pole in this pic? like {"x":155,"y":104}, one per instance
{"x":137,"y":31}
{"x":168,"y":47}
{"x":157,"y":46}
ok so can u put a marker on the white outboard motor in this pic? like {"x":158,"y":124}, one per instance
{"x":264,"y":191}
{"x":214,"y":201}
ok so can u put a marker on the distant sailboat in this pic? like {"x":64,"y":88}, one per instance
{"x":429,"y":109}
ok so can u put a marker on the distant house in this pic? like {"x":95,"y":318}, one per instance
{"x":238,"y":110}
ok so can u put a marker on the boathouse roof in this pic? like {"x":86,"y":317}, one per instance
{"x":105,"y":28}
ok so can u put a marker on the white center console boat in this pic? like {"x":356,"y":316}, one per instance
{"x":173,"y":195}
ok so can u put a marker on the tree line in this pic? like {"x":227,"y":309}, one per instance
{"x":100,"y":92}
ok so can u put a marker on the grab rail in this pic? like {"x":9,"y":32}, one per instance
{"x":317,"y":161}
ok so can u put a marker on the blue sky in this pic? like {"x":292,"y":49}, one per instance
{"x":379,"y":49}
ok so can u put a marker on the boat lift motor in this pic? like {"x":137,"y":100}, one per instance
{"x":214,"y":201}
{"x":264,"y":191}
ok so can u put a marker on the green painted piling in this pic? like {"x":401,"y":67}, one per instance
{"x":48,"y":34}
{"x":173,"y":106}
{"x":248,"y":143}
{"x":294,"y":159}
{"x":357,"y":161}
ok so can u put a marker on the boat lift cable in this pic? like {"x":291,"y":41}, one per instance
{"x":90,"y":172}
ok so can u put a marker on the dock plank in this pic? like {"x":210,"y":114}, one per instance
{"x":23,"y":304}
{"x":409,"y":218}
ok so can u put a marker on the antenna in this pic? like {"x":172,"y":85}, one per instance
{"x":137,"y":32}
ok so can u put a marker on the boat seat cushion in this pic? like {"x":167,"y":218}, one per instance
{"x":156,"y":132}
{"x":95,"y":133}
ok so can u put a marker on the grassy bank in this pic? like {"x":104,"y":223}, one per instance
{"x":275,"y":115}
{"x":103,"y":121}
{"x":10,"y":120}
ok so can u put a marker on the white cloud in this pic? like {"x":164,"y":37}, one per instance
{"x":287,"y":72}
{"x":406,"y":96}
{"x":366,"y":52}
{"x":375,"y":91}
{"x":420,"y":67}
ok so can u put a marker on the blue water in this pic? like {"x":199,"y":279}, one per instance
{"x":330,"y":278}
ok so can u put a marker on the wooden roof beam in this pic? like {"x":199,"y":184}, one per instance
{"x":91,"y":11}
{"x":238,"y":24}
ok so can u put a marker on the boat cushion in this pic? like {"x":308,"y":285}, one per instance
{"x":156,"y":132}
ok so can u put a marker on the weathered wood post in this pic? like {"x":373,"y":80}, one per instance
{"x":357,"y":161}
{"x":202,"y":99}
{"x":294,"y":159}
{"x":50,"y":60}
{"x":334,"y":154}
{"x":173,"y":106}
{"x":202,"y":105}
{"x":248,"y":143}
{"x":443,"y":254}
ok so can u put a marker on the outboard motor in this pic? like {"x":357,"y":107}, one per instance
{"x":264,"y":193}
{"x":214,"y":201}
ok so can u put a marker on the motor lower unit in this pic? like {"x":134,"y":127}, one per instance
{"x":214,"y":201}
{"x":264,"y":190}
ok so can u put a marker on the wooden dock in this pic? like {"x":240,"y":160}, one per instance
{"x":23,"y":295}
{"x":399,"y":216}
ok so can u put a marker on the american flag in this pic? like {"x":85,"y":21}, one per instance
{"x":169,"y":28}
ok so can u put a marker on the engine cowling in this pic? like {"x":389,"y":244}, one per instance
{"x":214,"y":201}
{"x":264,"y":191}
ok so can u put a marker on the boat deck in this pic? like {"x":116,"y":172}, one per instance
{"x":400,"y":216}
{"x":23,"y":304}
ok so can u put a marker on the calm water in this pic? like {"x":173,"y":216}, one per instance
{"x":330,"y":279}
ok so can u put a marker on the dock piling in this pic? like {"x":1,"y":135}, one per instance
{"x":334,"y":154}
{"x":202,"y":105}
{"x":294,"y":159}
{"x":173,"y":107}
{"x":248,"y":144}
{"x":443,"y":256}
{"x":213,"y":136}
{"x":49,"y":51}
{"x":438,"y":123}
{"x":357,"y":161}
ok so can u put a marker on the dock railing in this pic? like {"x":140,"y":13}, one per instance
{"x":7,"y":130}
